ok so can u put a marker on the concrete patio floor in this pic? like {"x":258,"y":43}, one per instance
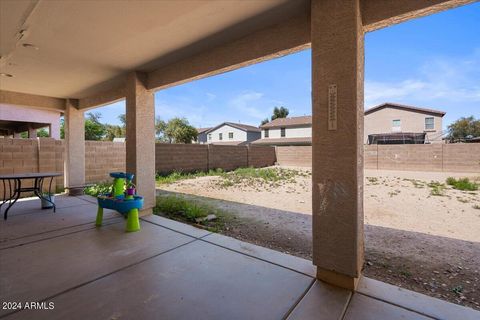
{"x":170,"y":270}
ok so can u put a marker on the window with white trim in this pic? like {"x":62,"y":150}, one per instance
{"x":429,"y":123}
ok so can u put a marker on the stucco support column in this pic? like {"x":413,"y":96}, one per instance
{"x":140,"y":137}
{"x":337,"y":109}
{"x":74,"y":147}
{"x":32,"y":132}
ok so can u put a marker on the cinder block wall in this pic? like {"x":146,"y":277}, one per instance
{"x":101,"y":158}
{"x":227,"y":157}
{"x":261,"y":156}
{"x":461,"y":157}
{"x":194,"y":157}
{"x":430,"y":157}
{"x":27,"y":156}
{"x":180,"y":157}
{"x":299,"y":156}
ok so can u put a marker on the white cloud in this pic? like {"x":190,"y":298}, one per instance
{"x":210,"y":96}
{"x":439,"y":80}
{"x":247,"y":103}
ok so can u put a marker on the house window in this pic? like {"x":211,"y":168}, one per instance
{"x":396,"y":126}
{"x":282,"y":132}
{"x":209,"y":136}
{"x":266,"y":132}
{"x":220,"y":136}
{"x":230,"y":135}
{"x":429,"y":123}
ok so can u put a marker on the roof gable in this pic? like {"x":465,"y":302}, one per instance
{"x":404,"y":107}
{"x":288,"y":122}
{"x":240,"y":126}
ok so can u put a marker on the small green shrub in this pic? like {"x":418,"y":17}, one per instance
{"x":98,"y":188}
{"x":173,"y":206}
{"x":462,"y":184}
{"x":179,"y":175}
{"x":437,"y":188}
{"x":372,"y":180}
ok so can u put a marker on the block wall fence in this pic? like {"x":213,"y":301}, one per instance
{"x":103,"y":157}
{"x":425,"y":157}
{"x":202,"y":157}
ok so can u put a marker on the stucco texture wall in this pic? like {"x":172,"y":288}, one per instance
{"x":103,"y":157}
{"x":428,"y":157}
{"x":381,"y":122}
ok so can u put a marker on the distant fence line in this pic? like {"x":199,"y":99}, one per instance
{"x":103,"y":157}
{"x":203,"y":157}
{"x":458,"y":157}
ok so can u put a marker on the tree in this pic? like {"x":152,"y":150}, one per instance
{"x":62,"y":128}
{"x":279,"y":112}
{"x":463,"y":128}
{"x":113,"y":131}
{"x":123,"y":119}
{"x":160,"y":127}
{"x":94,"y":129}
{"x":178,"y":130}
{"x":43,"y":133}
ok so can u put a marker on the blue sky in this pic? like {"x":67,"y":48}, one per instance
{"x":431,"y":62}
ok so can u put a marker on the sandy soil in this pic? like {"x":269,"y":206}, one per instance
{"x":414,"y":239}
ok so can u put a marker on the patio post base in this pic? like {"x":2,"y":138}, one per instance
{"x":337,"y":279}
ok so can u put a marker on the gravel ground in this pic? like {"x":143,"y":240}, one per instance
{"x":423,"y":242}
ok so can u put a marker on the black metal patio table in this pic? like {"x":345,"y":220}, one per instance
{"x":14,"y":184}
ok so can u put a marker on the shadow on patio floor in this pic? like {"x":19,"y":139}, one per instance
{"x":441,"y":267}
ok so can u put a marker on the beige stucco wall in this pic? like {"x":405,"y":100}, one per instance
{"x":411,"y":121}
{"x":290,"y":132}
{"x":25,"y":114}
{"x":238,"y":135}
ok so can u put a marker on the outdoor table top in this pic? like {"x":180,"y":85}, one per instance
{"x":30,"y":175}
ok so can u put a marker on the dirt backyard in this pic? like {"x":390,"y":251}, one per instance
{"x":420,"y":232}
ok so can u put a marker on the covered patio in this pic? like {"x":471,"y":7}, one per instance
{"x":72,"y":56}
{"x":170,"y":270}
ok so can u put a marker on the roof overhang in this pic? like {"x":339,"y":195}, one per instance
{"x":83,"y":49}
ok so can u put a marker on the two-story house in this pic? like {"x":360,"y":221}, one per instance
{"x":230,"y":133}
{"x":386,"y":123}
{"x":202,"y":135}
{"x":399,"y":123}
{"x":287,"y":131}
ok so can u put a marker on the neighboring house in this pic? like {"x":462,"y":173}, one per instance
{"x":15,"y":119}
{"x":386,"y":123}
{"x":202,"y":135}
{"x":397,"y":123}
{"x":287,"y":131}
{"x":230,"y":133}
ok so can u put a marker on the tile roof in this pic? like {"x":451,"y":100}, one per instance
{"x":202,"y":130}
{"x":405,"y":107}
{"x":288,"y":122}
{"x":244,"y":127}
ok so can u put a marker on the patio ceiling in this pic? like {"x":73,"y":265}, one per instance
{"x":84,"y":49}
{"x":84,"y":46}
